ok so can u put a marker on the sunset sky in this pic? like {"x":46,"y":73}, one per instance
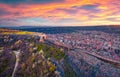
{"x":59,"y":12}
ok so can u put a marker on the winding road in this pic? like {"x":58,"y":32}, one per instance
{"x":114,"y":62}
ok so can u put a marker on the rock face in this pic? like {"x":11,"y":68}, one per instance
{"x":88,"y":66}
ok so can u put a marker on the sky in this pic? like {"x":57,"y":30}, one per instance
{"x":59,"y":12}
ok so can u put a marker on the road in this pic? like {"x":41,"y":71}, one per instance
{"x":114,"y":62}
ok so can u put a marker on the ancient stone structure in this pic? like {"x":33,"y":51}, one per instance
{"x":42,"y":37}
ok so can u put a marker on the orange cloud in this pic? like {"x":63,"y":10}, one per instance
{"x":77,"y":10}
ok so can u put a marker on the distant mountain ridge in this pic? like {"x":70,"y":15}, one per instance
{"x":67,"y":29}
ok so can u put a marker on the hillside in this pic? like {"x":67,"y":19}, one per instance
{"x":22,"y":55}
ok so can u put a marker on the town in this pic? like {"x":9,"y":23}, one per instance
{"x":88,"y":50}
{"x":104,"y":44}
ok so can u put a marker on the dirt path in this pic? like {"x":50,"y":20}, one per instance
{"x":17,"y":53}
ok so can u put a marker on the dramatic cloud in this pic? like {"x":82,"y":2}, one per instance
{"x":28,"y":1}
{"x":59,"y":12}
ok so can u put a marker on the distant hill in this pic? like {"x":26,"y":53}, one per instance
{"x":68,"y":29}
{"x":54,"y":30}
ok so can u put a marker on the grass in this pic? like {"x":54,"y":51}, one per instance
{"x":69,"y":72}
{"x":9,"y":31}
{"x":51,"y":51}
{"x":18,"y":33}
{"x":4,"y":66}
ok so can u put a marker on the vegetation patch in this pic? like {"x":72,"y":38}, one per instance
{"x":51,"y":51}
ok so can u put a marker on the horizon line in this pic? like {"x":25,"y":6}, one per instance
{"x":58,"y":26}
